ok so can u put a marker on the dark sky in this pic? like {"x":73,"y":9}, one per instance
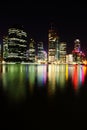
{"x":69,"y":18}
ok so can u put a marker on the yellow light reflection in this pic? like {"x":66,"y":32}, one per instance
{"x":52,"y":79}
{"x":66,"y":72}
{"x":84,"y":70}
{"x":62,"y":71}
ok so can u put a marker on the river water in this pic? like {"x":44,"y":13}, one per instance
{"x":43,"y":96}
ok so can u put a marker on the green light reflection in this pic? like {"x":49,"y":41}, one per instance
{"x":14,"y":82}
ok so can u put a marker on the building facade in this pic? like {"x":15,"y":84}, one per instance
{"x":78,"y":55}
{"x":62,"y":52}
{"x":17,"y":45}
{"x":40,"y":50}
{"x":32,"y":51}
{"x":5,"y":48}
{"x":77,"y":45}
{"x":52,"y":45}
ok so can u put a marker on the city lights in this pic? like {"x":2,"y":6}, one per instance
{"x":17,"y":49}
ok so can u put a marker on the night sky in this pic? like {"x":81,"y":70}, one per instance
{"x":69,"y":18}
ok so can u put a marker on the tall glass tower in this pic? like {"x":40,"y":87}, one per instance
{"x":32,"y":50}
{"x":52,"y":45}
{"x":40,"y":50}
{"x":77,"y":45}
{"x":62,"y":49}
{"x":17,"y":45}
{"x":5,"y":48}
{"x":77,"y":54}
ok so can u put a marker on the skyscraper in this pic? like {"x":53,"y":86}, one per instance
{"x":17,"y":45}
{"x":77,"y":45}
{"x":5,"y":48}
{"x":40,"y":50}
{"x":41,"y":53}
{"x":57,"y":50}
{"x":32,"y":50}
{"x":78,"y":55}
{"x":62,"y":52}
{"x":52,"y":45}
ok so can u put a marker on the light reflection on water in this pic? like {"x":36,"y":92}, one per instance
{"x":17,"y":80}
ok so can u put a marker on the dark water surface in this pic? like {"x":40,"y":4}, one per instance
{"x":43,"y":96}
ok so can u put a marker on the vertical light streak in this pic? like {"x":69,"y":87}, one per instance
{"x":75,"y":77}
{"x":66,"y":72}
{"x":51,"y":79}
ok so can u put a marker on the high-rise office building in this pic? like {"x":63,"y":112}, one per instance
{"x":62,"y":52}
{"x":41,"y":53}
{"x":69,"y":59}
{"x":40,"y":50}
{"x":52,"y":45}
{"x":32,"y":50}
{"x":77,"y":45}
{"x":57,"y":50}
{"x":17,"y":45}
{"x":78,"y":55}
{"x":5,"y":48}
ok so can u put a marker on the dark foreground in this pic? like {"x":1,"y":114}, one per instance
{"x":43,"y":97}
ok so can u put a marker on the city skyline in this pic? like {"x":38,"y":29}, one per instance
{"x":17,"y":49}
{"x":69,"y":20}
